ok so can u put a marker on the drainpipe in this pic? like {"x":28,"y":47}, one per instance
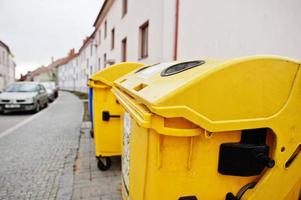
{"x":175,"y":53}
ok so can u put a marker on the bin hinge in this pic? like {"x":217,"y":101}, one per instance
{"x":106,"y":116}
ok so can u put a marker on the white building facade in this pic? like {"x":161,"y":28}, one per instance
{"x":75,"y":73}
{"x":161,"y":31}
{"x":7,"y":66}
{"x":226,"y":29}
{"x":66,"y":74}
{"x":193,"y":29}
{"x":85,"y":64}
{"x":134,"y":31}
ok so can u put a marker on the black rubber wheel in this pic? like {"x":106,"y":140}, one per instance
{"x":103,"y":166}
{"x":92,"y":133}
{"x":37,"y":108}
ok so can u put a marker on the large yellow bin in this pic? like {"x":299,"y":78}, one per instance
{"x":106,"y":112}
{"x":212,"y":130}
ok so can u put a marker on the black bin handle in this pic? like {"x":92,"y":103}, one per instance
{"x":106,"y":116}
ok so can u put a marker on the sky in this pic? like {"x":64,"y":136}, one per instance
{"x":36,"y":30}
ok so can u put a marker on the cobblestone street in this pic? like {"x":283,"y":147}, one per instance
{"x":51,"y":156}
{"x":37,"y":158}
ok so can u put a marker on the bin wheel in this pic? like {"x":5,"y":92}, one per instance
{"x":92,"y":133}
{"x":104,"y":163}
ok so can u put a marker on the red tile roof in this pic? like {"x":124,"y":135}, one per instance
{"x":54,"y":64}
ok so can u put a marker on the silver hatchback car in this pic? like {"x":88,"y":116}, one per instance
{"x":23,"y":96}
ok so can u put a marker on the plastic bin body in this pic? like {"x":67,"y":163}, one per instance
{"x":176,"y":125}
{"x":107,"y":132}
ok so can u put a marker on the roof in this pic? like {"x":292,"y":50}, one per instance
{"x":54,"y":64}
{"x":86,"y":42}
{"x":100,"y":12}
{"x":5,"y":46}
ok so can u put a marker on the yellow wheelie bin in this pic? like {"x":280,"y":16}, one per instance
{"x":106,"y":112}
{"x":210,"y":129}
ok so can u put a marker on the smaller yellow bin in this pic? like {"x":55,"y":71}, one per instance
{"x":212,"y":130}
{"x":106,"y":112}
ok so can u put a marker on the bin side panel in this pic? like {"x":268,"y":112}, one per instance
{"x":107,"y":134}
{"x":139,"y":142}
{"x":187,"y":166}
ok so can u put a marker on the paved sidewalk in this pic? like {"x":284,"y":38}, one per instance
{"x":89,"y":182}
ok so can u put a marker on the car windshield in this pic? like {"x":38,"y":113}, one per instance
{"x":49,"y":85}
{"x":22,"y":88}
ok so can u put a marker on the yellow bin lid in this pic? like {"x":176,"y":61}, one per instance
{"x":207,"y":92}
{"x":108,"y":75}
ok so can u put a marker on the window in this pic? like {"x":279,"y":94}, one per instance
{"x":123,"y":50}
{"x":124,"y":7}
{"x":99,"y":64}
{"x":143,"y":50}
{"x":91,"y":48}
{"x":104,"y":60}
{"x":99,"y":37}
{"x":3,"y":57}
{"x":112,"y":38}
{"x":105,"y":29}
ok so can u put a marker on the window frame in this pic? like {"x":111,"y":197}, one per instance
{"x":124,"y":49}
{"x":124,"y":8}
{"x":99,"y":36}
{"x":112,"y":38}
{"x":144,"y":40}
{"x":106,"y":29}
{"x":104,"y":60}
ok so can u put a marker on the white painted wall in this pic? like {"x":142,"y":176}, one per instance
{"x":7,"y":68}
{"x":214,"y":29}
{"x":233,"y":28}
{"x":69,"y":75}
{"x":158,"y":13}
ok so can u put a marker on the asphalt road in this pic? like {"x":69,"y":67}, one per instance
{"x":9,"y":120}
{"x":38,"y":153}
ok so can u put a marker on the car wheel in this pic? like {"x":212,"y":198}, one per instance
{"x":46,"y":104}
{"x":37,"y":108}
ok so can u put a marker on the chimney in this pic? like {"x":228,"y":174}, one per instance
{"x":52,"y":59}
{"x":71,"y":53}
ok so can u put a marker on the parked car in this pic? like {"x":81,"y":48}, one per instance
{"x":51,"y":89}
{"x":23,"y":96}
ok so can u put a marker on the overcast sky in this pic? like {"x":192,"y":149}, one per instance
{"x":36,"y":30}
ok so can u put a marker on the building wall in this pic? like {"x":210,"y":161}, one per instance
{"x":234,"y":28}
{"x":213,"y":29}
{"x":85,"y":63}
{"x":67,"y":75}
{"x":159,"y":15}
{"x":7,"y":68}
{"x":45,"y":76}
